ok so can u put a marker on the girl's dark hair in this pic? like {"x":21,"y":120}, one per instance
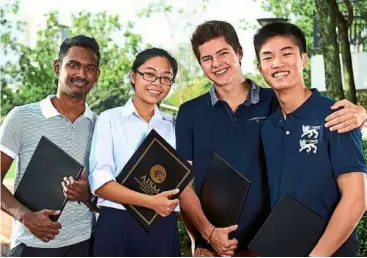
{"x":149,"y":53}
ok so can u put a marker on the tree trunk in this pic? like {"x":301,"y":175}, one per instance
{"x":330,"y":49}
{"x":343,"y":26}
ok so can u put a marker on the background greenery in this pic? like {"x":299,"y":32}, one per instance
{"x":28,"y":76}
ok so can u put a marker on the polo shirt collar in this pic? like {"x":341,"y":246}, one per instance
{"x":304,"y":112}
{"x":253,"y":96}
{"x":129,"y":109}
{"x":48,"y":110}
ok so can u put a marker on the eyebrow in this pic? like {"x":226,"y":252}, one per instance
{"x":282,"y":49}
{"x":220,"y":50}
{"x":77,"y":62}
{"x":286,"y":48}
{"x":151,"y":68}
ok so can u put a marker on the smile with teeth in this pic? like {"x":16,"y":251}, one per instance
{"x":220,"y":72}
{"x":79,"y":82}
{"x":154,"y":91}
{"x":281,"y":74}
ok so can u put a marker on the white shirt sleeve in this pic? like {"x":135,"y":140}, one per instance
{"x":101,"y":161}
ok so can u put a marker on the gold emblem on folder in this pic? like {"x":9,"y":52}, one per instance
{"x":158,"y":174}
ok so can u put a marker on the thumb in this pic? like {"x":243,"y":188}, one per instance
{"x":50,"y":212}
{"x":82,"y":175}
{"x":339,"y":104}
{"x":171,"y":192}
{"x":231,"y":228}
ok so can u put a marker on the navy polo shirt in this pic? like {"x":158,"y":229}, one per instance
{"x":206,"y":124}
{"x":304,"y":158}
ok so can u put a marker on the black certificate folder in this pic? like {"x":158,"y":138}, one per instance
{"x":292,"y":229}
{"x":40,"y":187}
{"x":223,"y":193}
{"x":155,"y":167}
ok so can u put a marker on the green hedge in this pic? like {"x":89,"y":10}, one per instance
{"x":362,"y":226}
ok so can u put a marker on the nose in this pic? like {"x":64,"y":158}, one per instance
{"x":82,"y":72}
{"x":157,"y":82}
{"x":277,"y":61}
{"x":215,"y":62}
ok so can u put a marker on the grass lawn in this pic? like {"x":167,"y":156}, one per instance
{"x":11,"y":172}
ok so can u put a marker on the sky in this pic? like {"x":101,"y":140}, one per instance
{"x":167,"y":31}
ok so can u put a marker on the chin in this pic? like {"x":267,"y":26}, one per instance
{"x":152,"y":100}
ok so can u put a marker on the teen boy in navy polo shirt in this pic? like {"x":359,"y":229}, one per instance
{"x":322,"y":169}
{"x":227,"y":120}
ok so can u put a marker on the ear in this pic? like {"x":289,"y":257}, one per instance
{"x":57,"y":65}
{"x":132,"y":77}
{"x":240,"y":53}
{"x":98,"y":73}
{"x":305,"y":60}
{"x":259,"y":67}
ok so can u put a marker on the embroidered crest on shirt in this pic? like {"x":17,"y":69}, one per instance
{"x":308,"y":141}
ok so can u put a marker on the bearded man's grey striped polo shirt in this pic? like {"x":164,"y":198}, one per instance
{"x":20,"y":133}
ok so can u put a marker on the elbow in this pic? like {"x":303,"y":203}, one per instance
{"x":98,"y":192}
{"x":359,"y":204}
{"x":103,"y":189}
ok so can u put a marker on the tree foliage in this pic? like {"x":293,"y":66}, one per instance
{"x":29,"y":77}
{"x":304,"y":14}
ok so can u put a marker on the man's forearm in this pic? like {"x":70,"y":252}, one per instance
{"x":190,"y":204}
{"x":11,"y":205}
{"x":342,"y":223}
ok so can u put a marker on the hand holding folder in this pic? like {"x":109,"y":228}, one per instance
{"x":155,"y":167}
{"x":40,"y":188}
{"x":40,"y":224}
{"x":76,"y":189}
{"x":162,"y":203}
{"x":222,"y":197}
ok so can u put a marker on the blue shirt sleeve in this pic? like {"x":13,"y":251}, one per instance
{"x":184,"y":133}
{"x":346,"y":152}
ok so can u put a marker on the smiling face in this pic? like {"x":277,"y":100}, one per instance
{"x":220,"y":63}
{"x":281,"y":63}
{"x":147,"y":91}
{"x":78,"y":71}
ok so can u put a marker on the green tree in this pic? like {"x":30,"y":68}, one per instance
{"x":326,"y":24}
{"x":304,"y":13}
{"x":29,"y":77}
{"x":343,"y":26}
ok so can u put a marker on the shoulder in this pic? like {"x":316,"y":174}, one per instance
{"x":24,"y":110}
{"x":109,"y":115}
{"x":322,"y":104}
{"x":169,"y":118}
{"x":267,"y":94}
{"x":195,"y":104}
{"x":28,"y":107}
{"x":113,"y":112}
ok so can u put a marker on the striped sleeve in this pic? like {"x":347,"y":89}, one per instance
{"x":11,"y":133}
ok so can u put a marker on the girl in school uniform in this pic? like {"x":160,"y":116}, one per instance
{"x":118,"y":133}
